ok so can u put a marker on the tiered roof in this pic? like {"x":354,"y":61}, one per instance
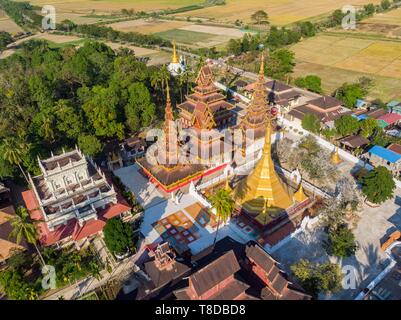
{"x":257,"y":112}
{"x":168,"y":168}
{"x":206,"y":107}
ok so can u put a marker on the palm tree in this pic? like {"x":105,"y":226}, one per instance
{"x":223,"y":202}
{"x":47,"y":128}
{"x":164,"y":77}
{"x":13,"y":150}
{"x":22,"y":227}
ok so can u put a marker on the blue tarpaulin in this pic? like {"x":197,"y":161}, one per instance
{"x":362,"y":117}
{"x":385,"y":154}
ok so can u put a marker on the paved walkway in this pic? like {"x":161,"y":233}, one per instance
{"x":375,"y":224}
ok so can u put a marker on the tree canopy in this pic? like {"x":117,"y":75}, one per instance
{"x":311,"y":123}
{"x":378,"y":185}
{"x":346,"y":125}
{"x":55,"y":98}
{"x":118,"y":236}
{"x":317,"y":278}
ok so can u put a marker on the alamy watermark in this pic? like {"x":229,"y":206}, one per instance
{"x":49,"y":19}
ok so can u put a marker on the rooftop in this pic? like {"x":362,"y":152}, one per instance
{"x":385,"y":154}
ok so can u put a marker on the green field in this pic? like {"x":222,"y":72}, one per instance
{"x":186,"y":37}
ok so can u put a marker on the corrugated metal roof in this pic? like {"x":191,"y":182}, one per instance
{"x":385,"y":154}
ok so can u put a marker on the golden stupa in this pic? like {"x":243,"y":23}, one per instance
{"x":300,"y":195}
{"x":335,"y":158}
{"x":263,"y":188}
{"x":175,"y":57}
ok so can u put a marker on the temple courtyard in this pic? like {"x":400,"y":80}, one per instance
{"x":369,"y":261}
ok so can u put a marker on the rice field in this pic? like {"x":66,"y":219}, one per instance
{"x":338,"y":59}
{"x":108,"y":6}
{"x":148,"y":26}
{"x":281,"y":12}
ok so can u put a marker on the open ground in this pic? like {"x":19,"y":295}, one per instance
{"x":337,"y":58}
{"x":7,"y":24}
{"x":187,"y":33}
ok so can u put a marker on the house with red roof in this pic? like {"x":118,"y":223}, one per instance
{"x":72,"y":199}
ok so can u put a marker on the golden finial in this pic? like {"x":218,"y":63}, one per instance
{"x":335,"y":158}
{"x":300,"y":195}
{"x":262,"y":66}
{"x":175,"y":57}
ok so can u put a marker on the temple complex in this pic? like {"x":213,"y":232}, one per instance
{"x":72,"y":199}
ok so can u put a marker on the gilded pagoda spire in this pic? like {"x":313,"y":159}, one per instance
{"x":263,"y":186}
{"x":257,"y":113}
{"x":175,"y":57}
{"x":300,"y":195}
{"x":168,"y":152}
{"x":335,"y":158}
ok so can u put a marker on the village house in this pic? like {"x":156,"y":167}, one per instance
{"x":72,"y":199}
{"x":279,"y":94}
{"x":379,"y":156}
{"x":351,"y":143}
{"x":327,"y":109}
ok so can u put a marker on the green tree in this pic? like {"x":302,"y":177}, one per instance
{"x":140,"y":110}
{"x":350,"y":93}
{"x":281,"y":64}
{"x":5,"y":39}
{"x":13,"y":150}
{"x":311,"y":123}
{"x":378,"y":185}
{"x":223,"y":202}
{"x":101,"y":108}
{"x":346,"y":125}
{"x":23,"y":227}
{"x":317,"y":278}
{"x":368,"y":127}
{"x":15,"y":287}
{"x":341,"y":242}
{"x":310,"y":82}
{"x":89,"y":144}
{"x":260,"y":16}
{"x":118,"y":236}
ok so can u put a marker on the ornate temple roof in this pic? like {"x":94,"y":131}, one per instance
{"x":206,"y":106}
{"x":262,"y":194}
{"x":168,"y":169}
{"x":257,"y":112}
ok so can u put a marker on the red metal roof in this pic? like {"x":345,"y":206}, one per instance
{"x":89,"y":228}
{"x":114,"y":210}
{"x":390,"y":118}
{"x":72,"y":228}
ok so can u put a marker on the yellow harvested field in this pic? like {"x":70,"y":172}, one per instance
{"x":108,"y":6}
{"x":281,"y":12}
{"x":147,"y":27}
{"x":219,"y":31}
{"x":338,"y":59}
{"x":7,"y":24}
{"x":392,"y":17}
